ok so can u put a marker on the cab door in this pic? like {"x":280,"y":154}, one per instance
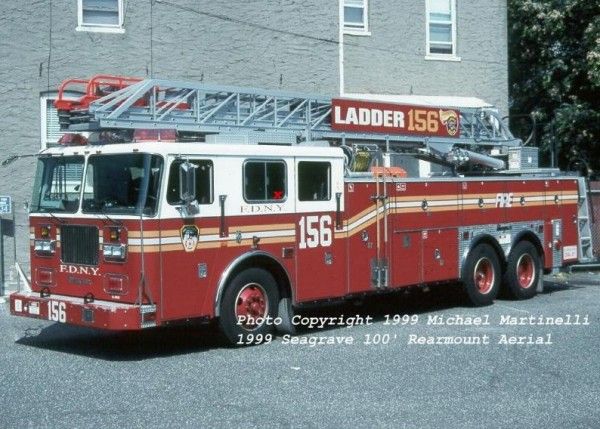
{"x":320,"y":256}
{"x":186,"y":263}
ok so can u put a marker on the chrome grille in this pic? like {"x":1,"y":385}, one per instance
{"x":79,"y":244}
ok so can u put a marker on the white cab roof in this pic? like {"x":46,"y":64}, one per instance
{"x":165,"y":148}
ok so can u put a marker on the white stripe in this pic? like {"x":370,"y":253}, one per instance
{"x":212,"y":237}
{"x":147,"y":241}
{"x":570,"y":197}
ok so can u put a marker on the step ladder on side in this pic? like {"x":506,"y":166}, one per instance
{"x":585,"y":244}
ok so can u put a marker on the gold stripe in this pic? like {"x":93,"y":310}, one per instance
{"x":406,"y":210}
{"x":269,"y":240}
{"x":455,"y":204}
{"x":155,"y":233}
{"x":361,"y":214}
{"x":207,"y":231}
{"x":260,"y":228}
{"x":210,"y":244}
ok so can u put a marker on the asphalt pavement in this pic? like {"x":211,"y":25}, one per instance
{"x":401,"y":368}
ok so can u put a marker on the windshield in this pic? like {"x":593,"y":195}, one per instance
{"x":57,"y":184}
{"x":122,"y":184}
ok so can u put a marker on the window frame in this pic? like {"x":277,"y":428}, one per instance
{"x":40,"y":178}
{"x":101,"y":28}
{"x":161,"y":179}
{"x":353,"y":29}
{"x":453,"y":32}
{"x":266,"y":161}
{"x":329,"y":184}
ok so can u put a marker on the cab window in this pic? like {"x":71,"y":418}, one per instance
{"x":204,"y":181}
{"x":265,"y":181}
{"x":314,"y":181}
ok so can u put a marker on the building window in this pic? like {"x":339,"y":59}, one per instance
{"x":100,"y":16}
{"x":50,"y":131}
{"x":264,"y":181}
{"x":356,"y":17}
{"x":441,"y":29}
{"x":50,"y":127}
{"x":314,"y":181}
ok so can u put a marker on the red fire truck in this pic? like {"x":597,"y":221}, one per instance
{"x":171,"y":201}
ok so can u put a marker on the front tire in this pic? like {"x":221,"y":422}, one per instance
{"x":523,"y":272}
{"x":250,"y":298}
{"x":482,"y":275}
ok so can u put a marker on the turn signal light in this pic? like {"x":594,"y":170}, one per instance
{"x":73,"y":140}
{"x":45,"y":231}
{"x":114,"y":234}
{"x":142,"y":135}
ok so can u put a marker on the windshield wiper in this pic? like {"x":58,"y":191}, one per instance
{"x":113,"y":221}
{"x":59,"y":220}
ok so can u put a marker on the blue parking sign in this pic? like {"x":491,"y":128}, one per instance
{"x":5,"y":205}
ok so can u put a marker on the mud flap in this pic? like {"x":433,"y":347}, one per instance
{"x":285,"y":312}
{"x":540,"y":283}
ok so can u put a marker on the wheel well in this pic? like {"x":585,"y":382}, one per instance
{"x":533,"y":239}
{"x":264,"y":261}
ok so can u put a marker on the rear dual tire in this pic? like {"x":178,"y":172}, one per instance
{"x":523,"y":271}
{"x":482,"y":275}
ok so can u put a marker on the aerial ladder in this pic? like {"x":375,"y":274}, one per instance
{"x":262,"y":116}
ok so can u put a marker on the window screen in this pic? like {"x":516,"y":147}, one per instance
{"x":355,"y":15}
{"x":101,"y":13}
{"x":441,"y":22}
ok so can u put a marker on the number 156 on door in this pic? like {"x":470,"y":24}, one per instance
{"x":315,"y":231}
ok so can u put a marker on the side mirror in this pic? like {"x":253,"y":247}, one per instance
{"x":187,"y":182}
{"x":187,"y":188}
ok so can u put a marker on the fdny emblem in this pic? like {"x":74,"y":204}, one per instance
{"x":189,"y":237}
{"x":450,"y":119}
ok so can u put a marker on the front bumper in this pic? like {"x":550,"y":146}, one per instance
{"x":75,"y":311}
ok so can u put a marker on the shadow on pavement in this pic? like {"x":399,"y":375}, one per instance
{"x":124,"y":346}
{"x":178,"y":340}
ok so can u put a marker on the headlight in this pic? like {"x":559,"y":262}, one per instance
{"x":44,"y":246}
{"x":114,"y":252}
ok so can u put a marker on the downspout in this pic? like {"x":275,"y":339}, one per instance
{"x":341,"y":46}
